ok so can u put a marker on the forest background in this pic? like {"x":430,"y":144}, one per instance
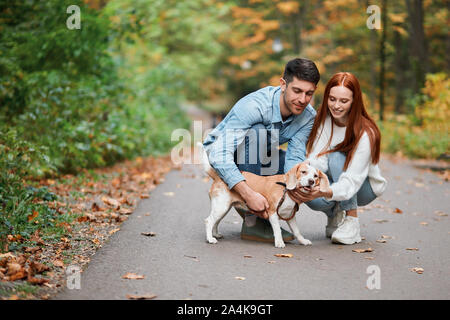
{"x":77,"y":99}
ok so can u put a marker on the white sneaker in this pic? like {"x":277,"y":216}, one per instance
{"x":348,"y":232}
{"x":335,"y":222}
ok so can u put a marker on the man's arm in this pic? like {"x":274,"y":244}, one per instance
{"x":296,"y":151}
{"x":242,"y":117}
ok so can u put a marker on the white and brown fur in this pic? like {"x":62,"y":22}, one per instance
{"x":222,"y":198}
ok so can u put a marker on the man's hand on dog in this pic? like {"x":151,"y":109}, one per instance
{"x":258,"y":205}
{"x":255,"y":201}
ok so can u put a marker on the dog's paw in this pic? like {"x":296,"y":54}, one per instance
{"x":279,"y":244}
{"x":305,"y":242}
{"x":212,"y":240}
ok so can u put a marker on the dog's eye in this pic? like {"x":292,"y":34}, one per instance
{"x":303,"y":172}
{"x":316,"y":176}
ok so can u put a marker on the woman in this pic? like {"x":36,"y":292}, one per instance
{"x":345,"y":143}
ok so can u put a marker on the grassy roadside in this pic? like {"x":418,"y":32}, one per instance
{"x":92,"y":205}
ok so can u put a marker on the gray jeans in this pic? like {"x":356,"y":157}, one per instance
{"x":364,"y":196}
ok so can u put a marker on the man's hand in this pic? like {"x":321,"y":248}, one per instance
{"x":258,"y":205}
{"x":255,"y":201}
{"x":299,"y":196}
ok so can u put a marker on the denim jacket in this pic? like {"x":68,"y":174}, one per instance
{"x":261,"y":106}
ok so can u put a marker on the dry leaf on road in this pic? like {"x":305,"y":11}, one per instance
{"x":417,"y":270}
{"x":141,"y":297}
{"x":133,"y":276}
{"x":239,"y":278}
{"x":284,"y":255}
{"x":362,"y":250}
{"x":148,"y":234}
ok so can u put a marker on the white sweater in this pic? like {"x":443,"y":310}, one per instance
{"x":358,"y":169}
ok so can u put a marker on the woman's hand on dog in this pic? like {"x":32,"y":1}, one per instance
{"x":300,"y":196}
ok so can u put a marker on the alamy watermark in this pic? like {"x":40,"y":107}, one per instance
{"x":73,"y":280}
{"x":74,"y":20}
{"x":252,"y":146}
{"x":374,"y":20}
{"x":374,"y":280}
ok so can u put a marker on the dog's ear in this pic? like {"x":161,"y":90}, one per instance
{"x":324,"y":183}
{"x":291,"y":178}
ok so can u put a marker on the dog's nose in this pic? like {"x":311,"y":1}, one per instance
{"x":311,"y":182}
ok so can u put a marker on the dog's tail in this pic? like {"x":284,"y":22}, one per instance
{"x":205,"y":161}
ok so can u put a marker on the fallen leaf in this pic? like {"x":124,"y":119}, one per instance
{"x":284,"y":255}
{"x":34,"y":280}
{"x":362,"y":250}
{"x":38,"y":267}
{"x":148,"y":234}
{"x":132,"y":276}
{"x":58,"y":263}
{"x":114,"y":231}
{"x":16,"y":276}
{"x":381,"y":241}
{"x":386,"y":237}
{"x":13,"y":268}
{"x":169,"y":194}
{"x":239,"y":278}
{"x":397,"y":210}
{"x":125,"y":211}
{"x":424,"y":223}
{"x":32,"y":249}
{"x":381,"y":220}
{"x":413,"y":249}
{"x":33,"y":215}
{"x":441,"y":214}
{"x":141,"y":297}
{"x":248,"y":256}
{"x":417,"y":270}
{"x":192,"y":257}
{"x":112,"y":202}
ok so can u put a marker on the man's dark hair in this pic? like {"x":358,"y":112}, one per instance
{"x":302,"y":69}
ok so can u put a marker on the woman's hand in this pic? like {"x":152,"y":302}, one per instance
{"x":300,"y":196}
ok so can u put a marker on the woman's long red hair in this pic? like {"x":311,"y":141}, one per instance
{"x":359,"y":121}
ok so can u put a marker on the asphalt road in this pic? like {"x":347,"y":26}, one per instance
{"x":178,"y":263}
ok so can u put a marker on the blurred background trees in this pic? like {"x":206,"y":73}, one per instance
{"x":113,"y":89}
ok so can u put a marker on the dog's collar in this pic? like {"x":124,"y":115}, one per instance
{"x":294,"y":210}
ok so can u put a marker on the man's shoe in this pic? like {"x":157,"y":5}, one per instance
{"x":262,"y":231}
{"x":348,"y":232}
{"x":335,"y":222}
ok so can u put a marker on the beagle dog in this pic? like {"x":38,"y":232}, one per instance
{"x":273,"y":188}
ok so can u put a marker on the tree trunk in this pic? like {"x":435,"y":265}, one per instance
{"x":383,"y":58}
{"x":418,"y":42}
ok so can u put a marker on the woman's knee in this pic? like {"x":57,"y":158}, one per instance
{"x":336,"y":161}
{"x":320,"y":204}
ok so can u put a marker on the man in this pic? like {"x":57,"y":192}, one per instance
{"x":248,"y":137}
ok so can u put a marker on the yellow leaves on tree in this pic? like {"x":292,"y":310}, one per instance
{"x":288,"y":7}
{"x":435,"y":111}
